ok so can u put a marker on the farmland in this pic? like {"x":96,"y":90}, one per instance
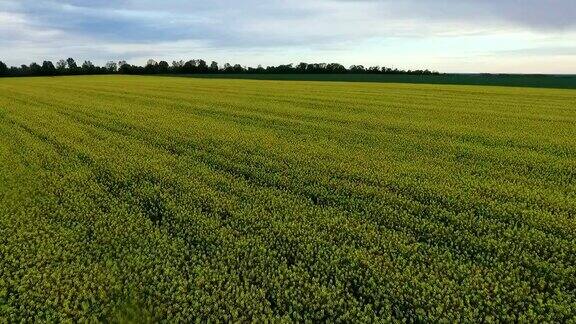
{"x":162,"y":198}
{"x":511,"y":80}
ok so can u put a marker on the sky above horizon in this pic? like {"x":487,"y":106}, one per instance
{"x":493,"y":36}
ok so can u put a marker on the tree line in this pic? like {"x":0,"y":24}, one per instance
{"x":70,"y":67}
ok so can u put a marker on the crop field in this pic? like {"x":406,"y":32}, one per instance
{"x":511,"y":80}
{"x":126,"y":198}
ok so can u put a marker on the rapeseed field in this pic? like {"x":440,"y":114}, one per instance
{"x":127,"y":198}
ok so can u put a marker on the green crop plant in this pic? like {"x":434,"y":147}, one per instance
{"x":126,"y":198}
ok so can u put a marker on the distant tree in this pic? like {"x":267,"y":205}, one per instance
{"x":238,"y":68}
{"x":111,"y":66}
{"x":335,"y":68}
{"x":163,"y":67}
{"x":201,"y":66}
{"x":177,"y":66}
{"x":151,"y":67}
{"x":189,"y":66}
{"x":71,"y":64}
{"x":124,"y":67}
{"x":195,"y":66}
{"x":357,"y":69}
{"x":48,"y":68}
{"x":24,"y":69}
{"x":373,"y":69}
{"x":301,"y":67}
{"x":151,"y":62}
{"x":3,"y":68}
{"x":316,"y":68}
{"x":213,"y":67}
{"x":35,"y":68}
{"x":61,"y":65}
{"x":88,"y":67}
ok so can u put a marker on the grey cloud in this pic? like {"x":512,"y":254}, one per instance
{"x":251,"y":23}
{"x":533,"y":14}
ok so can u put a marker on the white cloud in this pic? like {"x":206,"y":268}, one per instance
{"x":447,"y":35}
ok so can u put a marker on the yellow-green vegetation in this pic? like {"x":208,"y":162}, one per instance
{"x":159,"y":198}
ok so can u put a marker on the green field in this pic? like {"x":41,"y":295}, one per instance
{"x":163,"y":198}
{"x":510,"y":80}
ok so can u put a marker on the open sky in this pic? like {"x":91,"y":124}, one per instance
{"x":514,"y":36}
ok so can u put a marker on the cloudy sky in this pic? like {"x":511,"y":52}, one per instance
{"x":523,"y":36}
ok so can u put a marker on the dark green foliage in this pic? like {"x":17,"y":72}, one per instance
{"x":3,"y":68}
{"x":71,"y":64}
{"x":35,"y":69}
{"x":199,"y":66}
{"x":138,"y":199}
{"x":48,"y":68}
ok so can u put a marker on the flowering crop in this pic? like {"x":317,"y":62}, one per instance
{"x":177,"y":199}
